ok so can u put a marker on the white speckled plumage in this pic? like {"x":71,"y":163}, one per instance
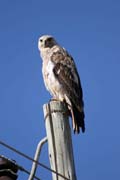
{"x":61,"y":78}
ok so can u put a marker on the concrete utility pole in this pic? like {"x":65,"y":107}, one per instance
{"x":59,"y":140}
{"x":8,"y":170}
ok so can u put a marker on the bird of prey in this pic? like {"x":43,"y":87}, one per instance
{"x":61,"y":79}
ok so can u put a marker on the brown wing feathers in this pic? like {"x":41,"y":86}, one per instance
{"x":63,"y":72}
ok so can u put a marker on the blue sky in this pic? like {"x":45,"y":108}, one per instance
{"x":90,"y":31}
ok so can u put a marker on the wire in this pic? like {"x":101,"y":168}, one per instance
{"x":31,"y":159}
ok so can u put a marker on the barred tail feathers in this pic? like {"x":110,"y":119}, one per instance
{"x":77,"y":119}
{"x":77,"y":114}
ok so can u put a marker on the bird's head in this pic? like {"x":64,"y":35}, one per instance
{"x":46,"y":41}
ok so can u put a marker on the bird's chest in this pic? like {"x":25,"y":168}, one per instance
{"x":50,"y":80}
{"x":47,"y":71}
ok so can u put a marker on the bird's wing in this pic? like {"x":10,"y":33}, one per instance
{"x":66,"y":73}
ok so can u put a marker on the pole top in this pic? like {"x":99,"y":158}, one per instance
{"x":55,"y":106}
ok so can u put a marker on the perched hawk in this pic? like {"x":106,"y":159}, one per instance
{"x":61,"y":79}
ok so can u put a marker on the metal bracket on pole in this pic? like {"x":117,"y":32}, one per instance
{"x":36,"y":157}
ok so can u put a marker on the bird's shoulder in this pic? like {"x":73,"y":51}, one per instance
{"x":65,"y":69}
{"x":60,"y":55}
{"x":64,"y":63}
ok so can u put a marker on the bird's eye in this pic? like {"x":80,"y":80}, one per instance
{"x":41,"y":40}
